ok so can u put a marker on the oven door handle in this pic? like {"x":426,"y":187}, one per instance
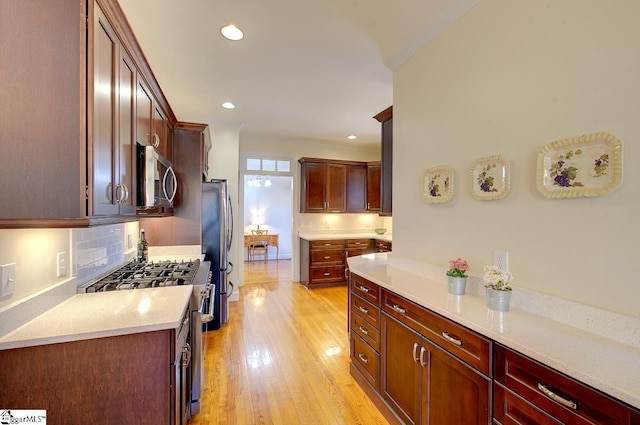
{"x":207,"y":294}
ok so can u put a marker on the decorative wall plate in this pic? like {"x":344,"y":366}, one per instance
{"x":489,"y":178}
{"x":437,"y":184}
{"x":589,"y":165}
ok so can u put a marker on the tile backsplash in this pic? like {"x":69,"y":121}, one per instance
{"x":97,"y":250}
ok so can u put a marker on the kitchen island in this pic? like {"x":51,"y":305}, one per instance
{"x":592,"y":347}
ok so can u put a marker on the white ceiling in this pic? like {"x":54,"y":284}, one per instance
{"x":306,"y":69}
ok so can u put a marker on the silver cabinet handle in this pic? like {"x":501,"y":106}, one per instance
{"x":363,"y":330}
{"x":415,"y":352}
{"x":451,"y":339}
{"x":364,"y":310}
{"x":364,"y":289}
{"x":368,"y":205}
{"x":327,"y":244}
{"x":186,"y":355}
{"x":357,"y":243}
{"x":109,"y":192}
{"x":126,"y":193}
{"x":555,"y":397}
{"x":327,"y":257}
{"x":363,"y":358}
{"x":327,"y":274}
{"x":423,"y":361}
{"x":399,"y":309}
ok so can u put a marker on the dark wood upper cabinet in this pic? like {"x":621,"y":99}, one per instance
{"x":386,"y":119}
{"x":69,"y":113}
{"x":373,"y":186}
{"x":357,"y":188}
{"x":335,"y":186}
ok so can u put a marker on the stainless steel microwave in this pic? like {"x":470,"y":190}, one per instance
{"x":157,"y":183}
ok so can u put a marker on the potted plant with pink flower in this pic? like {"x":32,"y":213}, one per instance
{"x":498,"y":290}
{"x":457,"y":277}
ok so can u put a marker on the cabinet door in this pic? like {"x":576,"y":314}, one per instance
{"x":387,"y":168}
{"x":373,"y":187}
{"x":454,"y":393}
{"x":105,"y":71}
{"x":356,"y":188}
{"x":144,"y":105}
{"x":315,"y":176}
{"x":336,"y":188}
{"x":125,"y":187}
{"x":401,"y":374}
{"x":161,"y":132}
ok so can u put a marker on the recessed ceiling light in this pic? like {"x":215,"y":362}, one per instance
{"x":232,"y":32}
{"x":228,"y":105}
{"x":351,"y":137}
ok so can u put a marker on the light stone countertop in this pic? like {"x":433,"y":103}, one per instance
{"x":103,"y":314}
{"x":314,"y":235}
{"x":609,"y":365}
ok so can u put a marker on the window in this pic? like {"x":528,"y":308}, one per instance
{"x":269,"y":165}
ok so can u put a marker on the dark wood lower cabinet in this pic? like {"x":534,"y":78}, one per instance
{"x":426,"y":385}
{"x":435,"y":371}
{"x":116,"y":380}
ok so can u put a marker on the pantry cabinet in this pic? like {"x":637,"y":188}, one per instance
{"x":71,"y":163}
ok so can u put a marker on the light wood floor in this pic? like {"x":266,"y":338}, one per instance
{"x":283,"y":358}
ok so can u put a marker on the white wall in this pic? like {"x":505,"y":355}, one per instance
{"x":508,"y":78}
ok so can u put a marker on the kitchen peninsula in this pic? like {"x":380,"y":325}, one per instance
{"x":323,"y":254}
{"x":594,"y":352}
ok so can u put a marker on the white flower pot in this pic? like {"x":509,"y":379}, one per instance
{"x":498,"y":300}
{"x":456,"y":285}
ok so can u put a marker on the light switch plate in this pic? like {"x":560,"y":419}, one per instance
{"x":7,"y":279}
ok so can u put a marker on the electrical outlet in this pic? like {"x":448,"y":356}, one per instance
{"x":61,"y":262}
{"x":7,"y":279}
{"x":130,"y":241}
{"x":501,"y":260}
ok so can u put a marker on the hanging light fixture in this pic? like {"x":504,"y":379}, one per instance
{"x":258,"y":182}
{"x":267,"y":182}
{"x":250,"y":182}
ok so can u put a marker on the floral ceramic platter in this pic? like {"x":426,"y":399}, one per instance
{"x":589,"y":165}
{"x":437,"y":184}
{"x":490,"y":178}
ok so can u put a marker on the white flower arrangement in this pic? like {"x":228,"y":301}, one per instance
{"x":497,"y":279}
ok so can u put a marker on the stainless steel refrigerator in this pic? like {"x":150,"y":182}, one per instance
{"x":217,"y":235}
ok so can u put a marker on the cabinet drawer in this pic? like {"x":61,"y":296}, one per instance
{"x":575,"y":402}
{"x":358,"y":243}
{"x":366,"y":310}
{"x":326,"y":274}
{"x":352,"y":252}
{"x":511,"y":409}
{"x":327,"y":244}
{"x":365,"y":331}
{"x":469,"y":346}
{"x":325,"y":258}
{"x":366,"y":360}
{"x":365,"y":289}
{"x":382,"y":246}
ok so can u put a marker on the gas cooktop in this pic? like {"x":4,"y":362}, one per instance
{"x":136,"y":275}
